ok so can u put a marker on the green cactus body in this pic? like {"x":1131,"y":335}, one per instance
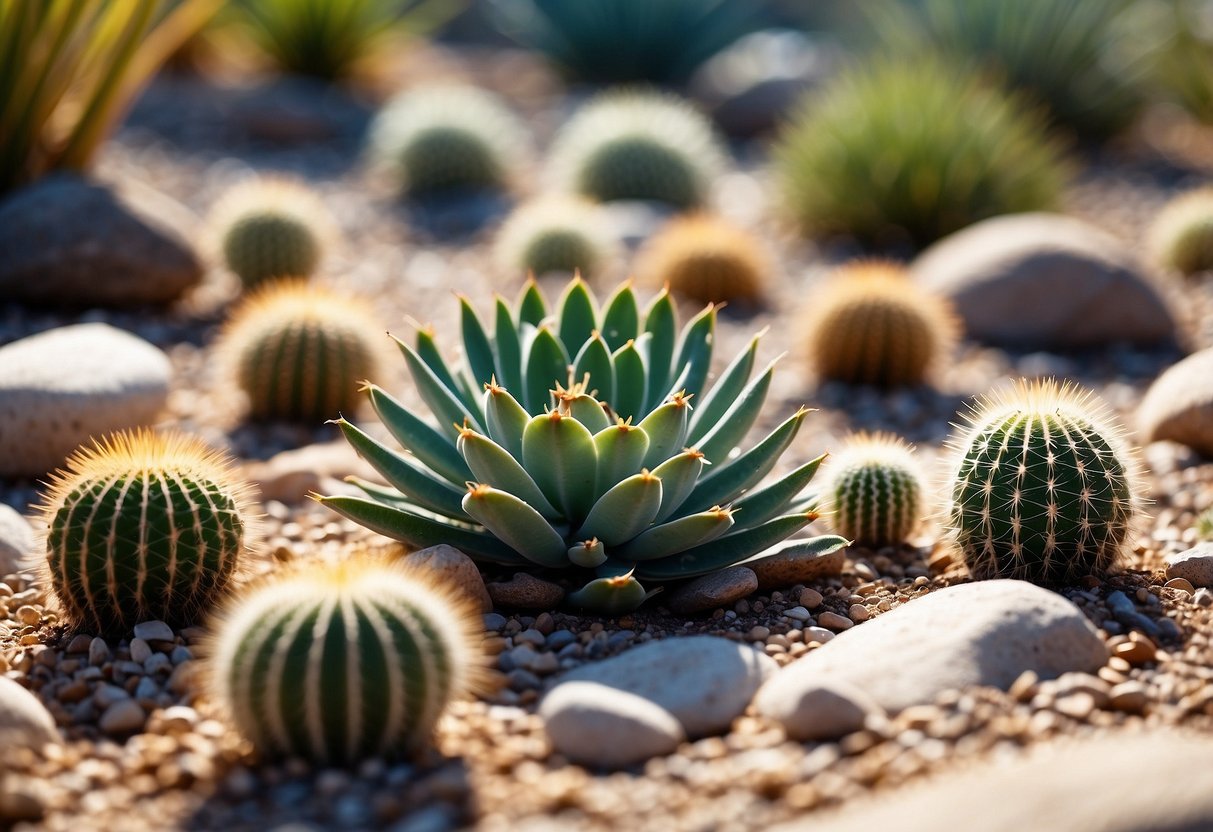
{"x":555,"y":234}
{"x":876,"y":490}
{"x":448,"y":159}
{"x":1181,"y":238}
{"x":706,"y":259}
{"x":143,"y":527}
{"x":342,"y":663}
{"x":649,"y":146}
{"x":300,"y":351}
{"x":1043,"y":490}
{"x":623,"y":489}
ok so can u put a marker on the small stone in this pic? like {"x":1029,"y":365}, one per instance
{"x":98,"y":652}
{"x":1077,"y":705}
{"x":29,"y":616}
{"x":154,"y":631}
{"x":24,"y":720}
{"x":494,"y":622}
{"x":122,"y":717}
{"x":453,"y":568}
{"x":714,"y":590}
{"x":526,"y":592}
{"x":17,"y":540}
{"x":1131,"y":697}
{"x":1135,"y":652}
{"x":106,"y":695}
{"x":813,"y":710}
{"x":834,"y":621}
{"x":758,"y":633}
{"x":859,"y":613}
{"x":1194,"y":565}
{"x":810,"y":598}
{"x":796,"y":563}
{"x":288,"y":477}
{"x":798,"y":614}
{"x":141,"y":651}
{"x":20,"y":805}
{"x":818,"y":634}
{"x":79,"y":644}
{"x":604,"y":727}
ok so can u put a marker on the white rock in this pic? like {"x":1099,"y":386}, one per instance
{"x":1046,"y":281}
{"x":59,"y":388}
{"x":985,"y":633}
{"x":17,"y":540}
{"x":1195,"y":565}
{"x":24,"y":720}
{"x":1179,"y":404}
{"x":704,"y":681}
{"x":812,"y":709}
{"x":451,"y":567}
{"x":1113,"y":782}
{"x":154,"y":631}
{"x":603,"y":727}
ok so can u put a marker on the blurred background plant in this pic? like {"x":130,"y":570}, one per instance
{"x":1174,"y":38}
{"x":69,"y":70}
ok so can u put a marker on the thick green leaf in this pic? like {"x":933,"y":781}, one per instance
{"x":588,"y":553}
{"x":667,"y":430}
{"x":477,"y":348}
{"x":559,"y":453}
{"x":624,"y":511}
{"x":724,"y":551}
{"x":629,"y":382}
{"x":661,"y":324}
{"x":710,"y":408}
{"x":621,"y":320}
{"x":445,"y":404}
{"x":595,"y":360}
{"x":726,"y":434}
{"x":577,"y":315}
{"x":547,"y":364}
{"x":678,"y":476}
{"x":427,"y":350}
{"x":493,"y":465}
{"x":695,"y":350}
{"x":729,"y":481}
{"x":609,"y":596}
{"x":413,"y":481}
{"x":590,"y":412}
{"x":532,"y":308}
{"x":505,"y":419}
{"x":509,"y":347}
{"x":621,"y":450}
{"x":762,"y":504}
{"x":676,"y":536}
{"x":518,"y":524}
{"x":825,"y":544}
{"x":432,"y":447}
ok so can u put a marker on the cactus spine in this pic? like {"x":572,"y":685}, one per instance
{"x":876,"y":489}
{"x":1043,"y":488}
{"x":299,"y":351}
{"x":143,"y":526}
{"x":339,"y":663}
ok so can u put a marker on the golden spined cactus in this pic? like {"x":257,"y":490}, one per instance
{"x":299,"y":351}
{"x":870,"y":324}
{"x":706,"y":259}
{"x":272,"y":227}
{"x":875,"y":490}
{"x":556,"y":234}
{"x":143,"y":526}
{"x":1181,"y":237}
{"x":340,"y":663}
{"x":1043,"y":487}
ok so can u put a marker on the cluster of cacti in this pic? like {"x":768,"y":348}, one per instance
{"x":582,"y":451}
{"x":638,"y":145}
{"x":706,"y":259}
{"x":143,"y":526}
{"x":271,"y":228}
{"x":338,"y":663}
{"x":876,"y":490}
{"x":556,"y":234}
{"x":871,"y":324}
{"x":299,"y":351}
{"x":1043,"y":488}
{"x":891,"y":151}
{"x":1181,"y":237}
{"x":448,"y":139}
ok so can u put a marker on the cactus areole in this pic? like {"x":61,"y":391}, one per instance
{"x":568,"y":441}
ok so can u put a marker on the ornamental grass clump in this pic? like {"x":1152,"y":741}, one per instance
{"x":143,"y":526}
{"x":556,"y":234}
{"x":876,"y":490}
{"x":706,"y":259}
{"x":567,"y":442}
{"x":638,"y":145}
{"x":1043,"y":487}
{"x":340,"y":663}
{"x":901,"y":150}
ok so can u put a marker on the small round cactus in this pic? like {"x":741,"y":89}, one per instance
{"x":872,"y":325}
{"x":647,"y":146}
{"x":299,"y":351}
{"x":339,"y":663}
{"x":1043,"y":488}
{"x":271,"y":227}
{"x":449,"y":139}
{"x":1181,"y":238}
{"x":555,"y":234}
{"x":876,"y":490}
{"x":143,"y":526}
{"x":706,"y":259}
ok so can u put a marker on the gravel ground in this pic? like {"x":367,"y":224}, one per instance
{"x":144,"y":752}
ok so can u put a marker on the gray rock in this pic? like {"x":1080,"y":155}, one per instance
{"x":794,"y":564}
{"x":24,"y":720}
{"x":1046,"y":281}
{"x":704,"y":681}
{"x":1194,"y":565}
{"x":985,"y":633}
{"x":713,"y":591}
{"x":602,"y":727}
{"x":451,"y":567}
{"x":1119,"y":781}
{"x":17,"y":540}
{"x":154,"y":631}
{"x":525,"y":592}
{"x":1179,"y":404}
{"x":66,"y":241}
{"x":814,"y":708}
{"x":61,"y":387}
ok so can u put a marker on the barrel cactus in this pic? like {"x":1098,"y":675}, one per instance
{"x":1181,"y":238}
{"x":271,"y":227}
{"x":876,"y":490}
{"x":143,"y":526}
{"x":556,"y":234}
{"x":1043,"y":487}
{"x":299,"y":351}
{"x":638,"y":145}
{"x":448,"y":139}
{"x":706,"y":259}
{"x":339,"y":663}
{"x":582,"y":452}
{"x":872,"y":325}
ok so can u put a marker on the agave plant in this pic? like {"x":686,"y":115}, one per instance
{"x":599,"y":463}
